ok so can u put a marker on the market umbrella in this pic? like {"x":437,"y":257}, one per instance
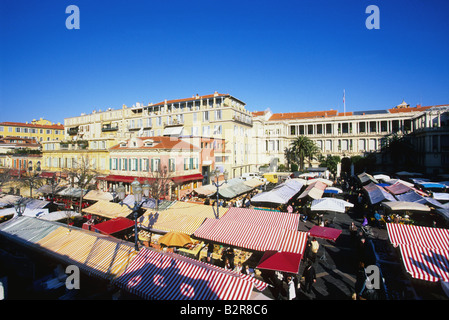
{"x":175,"y":239}
{"x":280,"y":261}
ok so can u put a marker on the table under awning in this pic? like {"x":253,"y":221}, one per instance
{"x":324,"y":233}
{"x":114,"y":225}
{"x":280,"y":261}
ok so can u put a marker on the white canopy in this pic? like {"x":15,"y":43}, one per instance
{"x":330,"y":204}
{"x":405,"y":205}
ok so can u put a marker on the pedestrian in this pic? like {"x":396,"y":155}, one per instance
{"x":291,"y":288}
{"x":314,"y":246}
{"x":309,"y":276}
{"x":238,"y":268}
{"x":353,"y":230}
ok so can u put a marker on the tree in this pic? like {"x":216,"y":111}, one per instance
{"x":400,"y":151}
{"x":82,"y":175}
{"x":331,"y":163}
{"x":303,"y":148}
{"x":159,"y":183}
{"x":289,"y":157}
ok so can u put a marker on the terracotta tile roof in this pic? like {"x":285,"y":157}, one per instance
{"x":258,"y":113}
{"x":399,"y":110}
{"x":341,"y":114}
{"x":303,"y":115}
{"x":30,"y":125}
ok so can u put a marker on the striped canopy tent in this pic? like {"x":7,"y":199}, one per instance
{"x":116,"y":260}
{"x":108,"y":209}
{"x":100,"y":255}
{"x":183,"y":217}
{"x":280,"y":194}
{"x":314,"y":190}
{"x":257,"y":230}
{"x":424,"y":250}
{"x":158,"y":276}
{"x":377,"y":194}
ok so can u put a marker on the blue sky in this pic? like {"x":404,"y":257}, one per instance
{"x":289,"y":56}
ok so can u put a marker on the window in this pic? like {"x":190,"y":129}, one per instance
{"x":155,"y":164}
{"x":171,"y":165}
{"x":206,"y":116}
{"x":217,"y":114}
{"x":145,"y":164}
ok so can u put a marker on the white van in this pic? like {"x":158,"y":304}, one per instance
{"x":249,"y":176}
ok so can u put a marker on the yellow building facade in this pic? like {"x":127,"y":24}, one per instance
{"x":40,"y":130}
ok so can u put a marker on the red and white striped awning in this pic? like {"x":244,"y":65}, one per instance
{"x":432,"y":238}
{"x":255,"y":230}
{"x":424,"y":263}
{"x":424,"y":250}
{"x":158,"y":276}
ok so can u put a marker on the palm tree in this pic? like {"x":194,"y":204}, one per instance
{"x":312,"y":151}
{"x":303,"y":147}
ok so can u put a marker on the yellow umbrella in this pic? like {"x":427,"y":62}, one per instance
{"x":175,"y":239}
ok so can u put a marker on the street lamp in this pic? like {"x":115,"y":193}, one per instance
{"x":20,"y":207}
{"x":215,"y":174}
{"x":33,"y":173}
{"x":137,"y":192}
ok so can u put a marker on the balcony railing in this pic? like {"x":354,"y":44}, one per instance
{"x":109,"y":129}
{"x":73,"y":131}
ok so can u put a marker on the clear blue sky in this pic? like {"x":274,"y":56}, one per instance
{"x":284,"y":55}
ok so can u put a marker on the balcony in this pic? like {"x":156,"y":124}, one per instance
{"x":109,"y":128}
{"x":73,"y":131}
{"x":241,"y":121}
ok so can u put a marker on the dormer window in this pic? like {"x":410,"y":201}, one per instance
{"x":148,"y":143}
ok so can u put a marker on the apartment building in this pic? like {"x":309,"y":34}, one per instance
{"x":40,"y":130}
{"x":431,"y":139}
{"x":219,"y":116}
{"x":160,"y":157}
{"x":335,"y":133}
